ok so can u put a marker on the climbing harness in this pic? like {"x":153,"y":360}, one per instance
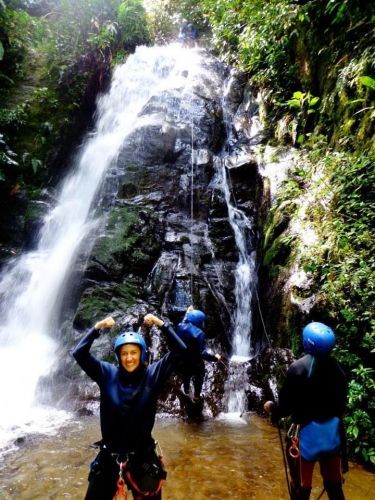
{"x":293,"y":435}
{"x":128,"y":472}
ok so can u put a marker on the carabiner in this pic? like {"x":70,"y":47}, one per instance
{"x":121,"y":492}
{"x":293,"y":448}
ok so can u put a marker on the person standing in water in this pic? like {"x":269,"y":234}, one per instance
{"x":190,"y":331}
{"x":128,"y":399}
{"x":314,"y":394}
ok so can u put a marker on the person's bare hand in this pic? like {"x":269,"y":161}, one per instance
{"x":151,"y":319}
{"x":268,"y":406}
{"x":108,"y":322}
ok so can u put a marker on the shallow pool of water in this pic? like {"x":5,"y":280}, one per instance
{"x":215,"y":459}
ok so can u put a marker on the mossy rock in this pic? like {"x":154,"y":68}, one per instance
{"x":94,"y":305}
{"x":130,"y":244}
{"x":278,"y":223}
{"x":106,"y":299}
{"x":279,"y":251}
{"x":125,"y":293}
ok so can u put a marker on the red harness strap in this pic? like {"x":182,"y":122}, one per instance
{"x":293,"y":435}
{"x":134,"y":485}
{"x":121,"y":492}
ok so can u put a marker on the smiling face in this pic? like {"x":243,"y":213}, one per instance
{"x":130,"y":357}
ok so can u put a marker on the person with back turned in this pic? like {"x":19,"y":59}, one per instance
{"x":190,"y":331}
{"x":314,"y":394}
{"x":128,"y":398}
{"x":188,"y":34}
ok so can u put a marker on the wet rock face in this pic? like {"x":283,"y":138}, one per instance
{"x":265,"y":372}
{"x":167,"y":241}
{"x":12,"y":225}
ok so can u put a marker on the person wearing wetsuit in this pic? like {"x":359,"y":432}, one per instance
{"x":314,"y":394}
{"x":183,"y":31}
{"x":191,"y":333}
{"x":128,"y":399}
{"x":188,"y":34}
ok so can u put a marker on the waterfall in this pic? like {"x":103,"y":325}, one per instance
{"x":245,"y":279}
{"x":244,"y":275}
{"x":32,"y":286}
{"x":245,"y":282}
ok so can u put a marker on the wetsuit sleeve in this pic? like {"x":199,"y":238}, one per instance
{"x":162,"y":369}
{"x":287,"y":397}
{"x":175,"y":344}
{"x":89,"y":363}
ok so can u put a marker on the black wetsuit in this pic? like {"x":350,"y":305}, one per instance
{"x":193,"y":367}
{"x":315,"y":389}
{"x":127,"y":408}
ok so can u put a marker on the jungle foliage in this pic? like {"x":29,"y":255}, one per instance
{"x":54,"y":57}
{"x":330,"y":195}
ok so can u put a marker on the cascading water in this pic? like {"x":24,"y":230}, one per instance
{"x":245,"y":285}
{"x":32,"y":286}
{"x":245,"y":273}
{"x":245,"y":282}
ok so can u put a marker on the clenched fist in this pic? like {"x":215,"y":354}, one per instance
{"x":105,"y":323}
{"x":151,"y":319}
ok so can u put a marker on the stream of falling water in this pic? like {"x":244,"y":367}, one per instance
{"x":33,"y":285}
{"x":245,"y":286}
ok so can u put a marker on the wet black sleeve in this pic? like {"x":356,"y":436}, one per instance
{"x":290,"y":393}
{"x":175,"y":344}
{"x":89,"y":363}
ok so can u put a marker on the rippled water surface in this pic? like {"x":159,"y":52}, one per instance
{"x":214,"y":459}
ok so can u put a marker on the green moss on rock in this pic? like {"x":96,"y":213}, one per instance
{"x":129,"y":244}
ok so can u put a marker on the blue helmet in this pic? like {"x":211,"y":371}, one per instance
{"x":196,"y":317}
{"x":318,"y":339}
{"x":132,"y":338}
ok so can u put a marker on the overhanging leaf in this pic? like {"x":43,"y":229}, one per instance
{"x":367,"y":81}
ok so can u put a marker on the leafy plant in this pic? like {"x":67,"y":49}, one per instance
{"x":7,"y":158}
{"x":131,"y":18}
{"x":303,"y":104}
{"x":367,"y":81}
{"x":359,"y":424}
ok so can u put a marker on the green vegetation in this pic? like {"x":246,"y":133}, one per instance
{"x":330,"y":196}
{"x":129,"y":244}
{"x":98,"y":302}
{"x":51,"y":67}
{"x":131,"y":18}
